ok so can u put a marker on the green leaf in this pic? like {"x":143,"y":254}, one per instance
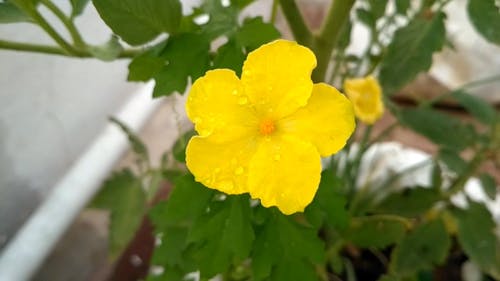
{"x":135,"y":142}
{"x":402,"y":6}
{"x":485,"y":17}
{"x":146,"y":65}
{"x":330,"y":201}
{"x":377,"y":7}
{"x":489,"y":185}
{"x":476,"y":106}
{"x":440,"y":128}
{"x":230,"y":55}
{"x":77,"y":7}
{"x":254,"y":32}
{"x":366,"y":17}
{"x":122,"y":194}
{"x":375,"y":231}
{"x":423,"y":248}
{"x":223,"y":235}
{"x":293,"y":269}
{"x":140,"y":21}
{"x":452,"y":160}
{"x":410,"y":202}
{"x":222,"y":20}
{"x":282,"y":243}
{"x":187,"y":201}
{"x":108,"y":51}
{"x":476,"y":234}
{"x":179,"y":149}
{"x":10,"y":13}
{"x":187,"y":55}
{"x":410,"y":51}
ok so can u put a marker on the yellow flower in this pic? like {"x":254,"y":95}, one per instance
{"x":366,"y":96}
{"x":264,"y":133}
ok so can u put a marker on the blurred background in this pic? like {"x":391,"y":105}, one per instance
{"x":53,"y":108}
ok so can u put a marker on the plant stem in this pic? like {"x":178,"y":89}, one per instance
{"x":25,"y":47}
{"x":75,"y":34}
{"x":300,"y":31}
{"x":55,"y":50}
{"x":274,"y":11}
{"x":51,"y":31}
{"x":459,"y":183}
{"x":325,"y":41}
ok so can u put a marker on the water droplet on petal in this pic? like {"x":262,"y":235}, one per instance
{"x":226,"y":185}
{"x":239,"y":171}
{"x":217,"y":170}
{"x":277,"y":157}
{"x":234,"y":92}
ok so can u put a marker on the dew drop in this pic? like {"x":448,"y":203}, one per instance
{"x":217,"y":170}
{"x":277,"y":157}
{"x":234,"y":92}
{"x":227,"y":185}
{"x":239,"y":171}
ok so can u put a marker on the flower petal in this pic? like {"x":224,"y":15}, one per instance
{"x":366,"y":96}
{"x":218,"y":108}
{"x":277,"y":77}
{"x":284,"y":172}
{"x":221,"y":166}
{"x":327,"y":120}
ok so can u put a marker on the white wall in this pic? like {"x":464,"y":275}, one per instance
{"x":51,"y":107}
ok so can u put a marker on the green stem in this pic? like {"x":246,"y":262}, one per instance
{"x":324,"y":43}
{"x":274,"y":11}
{"x":75,"y":34}
{"x":51,"y":31}
{"x":459,"y":183}
{"x":55,"y":50}
{"x":35,"y":48}
{"x":300,"y":31}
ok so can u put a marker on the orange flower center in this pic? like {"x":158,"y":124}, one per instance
{"x":267,"y":127}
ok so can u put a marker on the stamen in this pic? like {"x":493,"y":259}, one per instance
{"x":267,"y":127}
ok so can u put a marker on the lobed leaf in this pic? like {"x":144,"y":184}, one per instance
{"x":410,"y":51}
{"x":140,"y":21}
{"x":485,"y":17}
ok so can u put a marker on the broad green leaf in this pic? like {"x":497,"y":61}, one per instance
{"x":293,"y":269}
{"x":223,"y":235}
{"x":476,"y":234}
{"x":485,"y":17}
{"x":140,"y":21}
{"x":230,"y":55}
{"x":254,"y":32}
{"x":124,"y":197}
{"x":375,"y":231}
{"x":187,"y":201}
{"x":179,"y":149}
{"x":108,"y":51}
{"x":283,"y":242}
{"x":440,"y":128}
{"x":77,"y":7}
{"x":489,"y":185}
{"x":425,"y":247}
{"x":330,"y":202}
{"x":476,"y":106}
{"x":410,"y":51}
{"x":146,"y":65}
{"x":222,"y":20}
{"x":410,"y":202}
{"x":10,"y":13}
{"x":173,"y":244}
{"x":186,"y":55}
{"x":135,"y":142}
{"x":452,"y":160}
{"x":402,"y":6}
